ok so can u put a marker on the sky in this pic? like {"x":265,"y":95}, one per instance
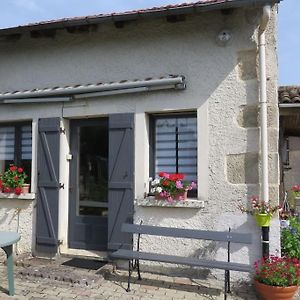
{"x":18,"y":12}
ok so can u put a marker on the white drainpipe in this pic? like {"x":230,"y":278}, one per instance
{"x":263,"y":102}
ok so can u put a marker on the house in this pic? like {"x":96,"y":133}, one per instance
{"x":289,"y":103}
{"x":94,"y":106}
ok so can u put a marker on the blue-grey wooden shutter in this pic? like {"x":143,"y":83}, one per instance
{"x":121,"y":179}
{"x":48,"y":185}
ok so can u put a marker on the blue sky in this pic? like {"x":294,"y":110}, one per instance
{"x":17,"y":12}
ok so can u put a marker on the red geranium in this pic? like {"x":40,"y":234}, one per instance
{"x":164,"y":174}
{"x":18,"y":190}
{"x":13,"y":179}
{"x":278,"y":271}
{"x":12,"y":168}
{"x":1,"y":184}
{"x":175,"y":177}
{"x":171,"y":186}
{"x":6,"y":189}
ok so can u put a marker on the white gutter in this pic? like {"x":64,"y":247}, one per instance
{"x":177,"y":82}
{"x":289,"y":105}
{"x":263,"y":102}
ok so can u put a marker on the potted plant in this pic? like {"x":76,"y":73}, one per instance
{"x":171,"y":187}
{"x":261,"y":210}
{"x":12,"y":180}
{"x":277,"y":277}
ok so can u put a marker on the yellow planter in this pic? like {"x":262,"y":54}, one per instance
{"x":263,"y":220}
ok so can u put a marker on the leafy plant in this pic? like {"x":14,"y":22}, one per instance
{"x":170,"y":185}
{"x":259,"y":207}
{"x":12,"y":180}
{"x":290,"y":238}
{"x":278,"y":271}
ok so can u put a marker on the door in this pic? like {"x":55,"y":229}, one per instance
{"x":88,"y":206}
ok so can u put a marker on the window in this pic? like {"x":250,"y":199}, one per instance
{"x":174,"y":146}
{"x":16,"y":146}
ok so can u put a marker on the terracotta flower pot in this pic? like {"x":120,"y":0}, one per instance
{"x":25,"y":188}
{"x":269,"y":292}
{"x":263,"y":220}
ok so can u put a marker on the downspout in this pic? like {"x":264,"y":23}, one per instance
{"x":264,"y":121}
{"x":263,"y":102}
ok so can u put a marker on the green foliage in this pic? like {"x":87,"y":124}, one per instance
{"x":290,"y":239}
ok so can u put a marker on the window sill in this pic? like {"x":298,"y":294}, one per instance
{"x":29,"y":196}
{"x":188,"y":203}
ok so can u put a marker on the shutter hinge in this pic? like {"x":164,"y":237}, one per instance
{"x":62,"y":128}
{"x":69,"y":156}
{"x":61,"y":185}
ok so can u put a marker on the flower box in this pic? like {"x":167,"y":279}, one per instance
{"x":171,"y":187}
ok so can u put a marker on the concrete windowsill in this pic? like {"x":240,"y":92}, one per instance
{"x":29,"y":196}
{"x":151,"y":202}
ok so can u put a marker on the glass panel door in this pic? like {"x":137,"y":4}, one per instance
{"x":88,"y":206}
{"x":93,"y":170}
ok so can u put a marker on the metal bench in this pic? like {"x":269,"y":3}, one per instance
{"x":7,"y":239}
{"x":134,"y":256}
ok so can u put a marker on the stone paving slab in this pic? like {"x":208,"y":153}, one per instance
{"x":108,"y":285}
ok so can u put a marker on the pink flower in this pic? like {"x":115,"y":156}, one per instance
{"x":164,"y":174}
{"x":179,"y":184}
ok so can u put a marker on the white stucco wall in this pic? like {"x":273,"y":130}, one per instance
{"x":216,"y":90}
{"x":16,"y":215}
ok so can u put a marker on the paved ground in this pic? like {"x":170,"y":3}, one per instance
{"x":42,"y":279}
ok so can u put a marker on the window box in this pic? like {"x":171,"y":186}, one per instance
{"x":152,"y":202}
{"x":29,"y":196}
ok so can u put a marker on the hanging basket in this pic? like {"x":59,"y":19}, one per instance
{"x":263,"y":220}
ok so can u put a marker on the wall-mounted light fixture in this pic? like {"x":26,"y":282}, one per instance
{"x":224,"y":37}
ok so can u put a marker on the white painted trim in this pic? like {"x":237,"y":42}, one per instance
{"x":203,"y":151}
{"x":101,"y":255}
{"x":63,"y":202}
{"x":35,"y":134}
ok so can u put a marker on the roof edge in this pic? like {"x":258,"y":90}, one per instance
{"x":155,"y":12}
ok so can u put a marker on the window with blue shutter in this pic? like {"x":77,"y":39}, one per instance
{"x":16,"y":146}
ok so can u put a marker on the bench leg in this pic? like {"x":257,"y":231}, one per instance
{"x":10,"y":269}
{"x":129,"y":274}
{"x":138,"y":269}
{"x":228,"y":282}
{"x":226,"y":285}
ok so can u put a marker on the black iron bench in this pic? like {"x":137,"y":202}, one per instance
{"x":134,"y":256}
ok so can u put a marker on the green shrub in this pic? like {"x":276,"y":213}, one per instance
{"x":290,"y":239}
